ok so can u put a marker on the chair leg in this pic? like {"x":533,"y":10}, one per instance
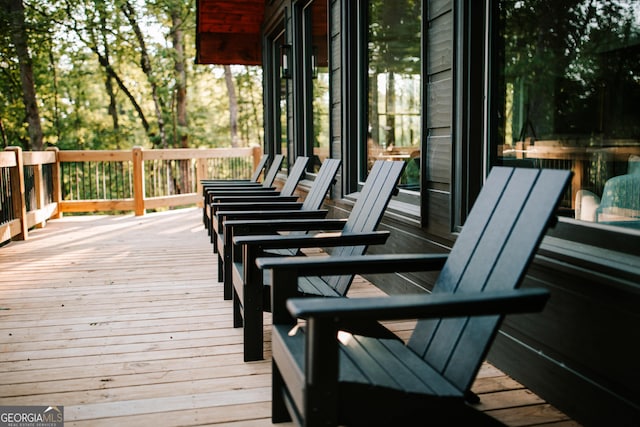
{"x":227,"y":277}
{"x":471,"y":398}
{"x":204,"y":218}
{"x":253,"y":324}
{"x":279,"y":413}
{"x":253,"y":339}
{"x":237,"y":311}
{"x":213,"y":236}
{"x":221,"y":274}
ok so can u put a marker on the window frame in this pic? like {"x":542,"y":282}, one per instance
{"x":356,"y":69}
{"x":272,"y":89}
{"x":304,"y":109}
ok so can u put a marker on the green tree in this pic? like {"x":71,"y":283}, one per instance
{"x":13,"y":20}
{"x":94,"y":93}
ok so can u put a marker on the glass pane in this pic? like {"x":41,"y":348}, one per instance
{"x":281,"y":91}
{"x":394,"y":86}
{"x":317,"y":77}
{"x":568,"y":91}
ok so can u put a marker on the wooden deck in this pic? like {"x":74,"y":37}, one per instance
{"x":120,"y":319}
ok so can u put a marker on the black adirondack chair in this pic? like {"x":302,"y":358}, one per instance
{"x":251,"y":291}
{"x":265,"y":207}
{"x":220,"y":188}
{"x":362,"y":380}
{"x":286,"y":194}
{"x":253,"y":180}
{"x":255,"y":176}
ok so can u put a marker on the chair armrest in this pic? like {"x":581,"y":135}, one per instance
{"x":313,"y":241}
{"x":241,"y":192}
{"x":214,"y":184}
{"x":250,"y":205}
{"x":237,"y":188}
{"x":229,"y":217}
{"x":270,"y":226}
{"x":253,"y":198}
{"x":361,"y":264}
{"x":420,"y":306}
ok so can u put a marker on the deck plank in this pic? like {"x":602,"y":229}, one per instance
{"x":120,"y":319}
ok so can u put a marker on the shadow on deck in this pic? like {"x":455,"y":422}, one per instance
{"x":120,"y":319}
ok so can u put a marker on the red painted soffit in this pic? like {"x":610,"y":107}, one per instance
{"x":228,"y":32}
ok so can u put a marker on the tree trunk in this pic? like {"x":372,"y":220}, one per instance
{"x":233,"y":105}
{"x":56,"y":107}
{"x":111,"y":72}
{"x":113,"y":106}
{"x":108,"y":83}
{"x":181,"y":77}
{"x":5,"y":143}
{"x":145,"y":64}
{"x":15,"y":12}
{"x":105,"y":62}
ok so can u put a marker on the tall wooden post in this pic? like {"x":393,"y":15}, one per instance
{"x":257,"y":155}
{"x":56,"y":176}
{"x":201,"y":171}
{"x":17,"y":194}
{"x":38,"y":176}
{"x":138,"y":181}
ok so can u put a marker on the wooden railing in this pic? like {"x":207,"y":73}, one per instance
{"x":37,"y":186}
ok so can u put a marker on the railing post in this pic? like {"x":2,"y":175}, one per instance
{"x":17,"y":194}
{"x":138,"y":181}
{"x":201,"y":170}
{"x":56,"y":176}
{"x":257,"y":154}
{"x":38,"y":178}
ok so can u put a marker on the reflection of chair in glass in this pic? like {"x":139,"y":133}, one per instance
{"x":620,"y":199}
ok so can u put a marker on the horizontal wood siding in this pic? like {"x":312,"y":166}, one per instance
{"x":335,"y":87}
{"x":439,"y":119}
{"x":582,"y":342}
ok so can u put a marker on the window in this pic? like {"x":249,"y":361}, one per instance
{"x":276,"y":135}
{"x":316,"y":77}
{"x":394,"y":87}
{"x":566,"y":94}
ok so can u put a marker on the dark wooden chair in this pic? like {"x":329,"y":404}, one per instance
{"x":266,"y":207}
{"x":255,"y":176}
{"x":251,"y":292}
{"x":286,"y":194}
{"x":254,"y":179}
{"x":229,"y":188}
{"x":321,"y":377}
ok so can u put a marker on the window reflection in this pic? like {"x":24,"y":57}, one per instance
{"x":394,"y":86}
{"x":282,"y":54}
{"x":569,"y":97}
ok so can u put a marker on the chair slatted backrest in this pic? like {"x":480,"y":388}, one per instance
{"x":270,"y":175}
{"x":492,"y":252}
{"x":380,"y":186}
{"x":324,"y":178}
{"x":262,"y":164}
{"x":296,"y":173}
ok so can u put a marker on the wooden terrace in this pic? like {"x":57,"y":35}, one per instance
{"x":120,"y":319}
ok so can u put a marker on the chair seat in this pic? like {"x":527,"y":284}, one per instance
{"x":380,"y":373}
{"x":307,"y":286}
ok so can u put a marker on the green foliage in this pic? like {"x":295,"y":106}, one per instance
{"x":67,"y":39}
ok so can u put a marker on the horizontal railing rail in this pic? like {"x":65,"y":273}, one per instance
{"x":37,"y":186}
